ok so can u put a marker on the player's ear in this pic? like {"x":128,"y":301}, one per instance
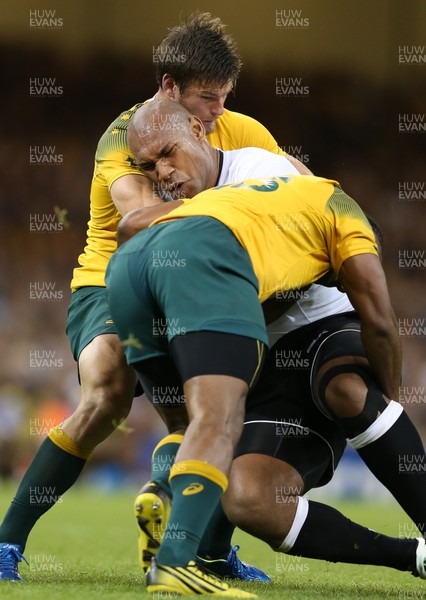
{"x":168,"y":85}
{"x":197,"y":128}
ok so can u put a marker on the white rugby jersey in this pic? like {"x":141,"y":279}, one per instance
{"x":317,"y":301}
{"x":312,"y":304}
{"x":252,"y":163}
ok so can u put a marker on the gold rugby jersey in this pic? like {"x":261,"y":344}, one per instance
{"x":113,"y":160}
{"x":294,"y":228}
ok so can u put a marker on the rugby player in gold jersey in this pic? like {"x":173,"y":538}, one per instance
{"x":197,"y":66}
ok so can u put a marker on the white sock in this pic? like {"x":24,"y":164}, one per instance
{"x":299,"y":520}
{"x":380,"y":426}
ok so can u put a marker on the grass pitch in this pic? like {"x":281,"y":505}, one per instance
{"x":86,"y":548}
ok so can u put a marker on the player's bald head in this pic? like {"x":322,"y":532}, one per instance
{"x":156,"y":117}
{"x":170,"y":147}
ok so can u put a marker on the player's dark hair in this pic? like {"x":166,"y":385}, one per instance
{"x":198,"y":51}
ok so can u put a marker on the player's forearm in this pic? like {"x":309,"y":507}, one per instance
{"x":133,"y":191}
{"x":363,"y":279}
{"x":129,"y":225}
{"x":383,"y":349}
{"x":141,"y":218}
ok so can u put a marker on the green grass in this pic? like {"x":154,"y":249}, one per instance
{"x":85,"y":548}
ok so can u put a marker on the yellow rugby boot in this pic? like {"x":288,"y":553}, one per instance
{"x":152,"y":510}
{"x":189,"y":580}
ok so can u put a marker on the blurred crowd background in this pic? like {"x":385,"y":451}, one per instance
{"x":345,"y":125}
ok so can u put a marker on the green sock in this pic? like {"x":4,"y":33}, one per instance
{"x":51,"y":473}
{"x":163,"y":458}
{"x":216,"y":541}
{"x":196,"y":489}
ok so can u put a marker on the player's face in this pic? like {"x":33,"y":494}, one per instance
{"x":205,"y":102}
{"x":175,"y":161}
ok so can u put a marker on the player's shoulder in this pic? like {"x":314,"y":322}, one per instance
{"x":230,"y":117}
{"x":253,"y":162}
{"x":242,"y":154}
{"x":236,"y":130}
{"x":122,"y":121}
{"x":114,"y":137}
{"x":252,"y":155}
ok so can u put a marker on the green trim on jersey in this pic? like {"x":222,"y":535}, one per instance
{"x":343,"y":205}
{"x":115,"y":137}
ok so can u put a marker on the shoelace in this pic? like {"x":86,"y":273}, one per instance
{"x":238,"y":566}
{"x":9,"y":558}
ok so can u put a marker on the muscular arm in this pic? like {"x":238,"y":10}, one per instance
{"x":363,"y":279}
{"x":136,"y":200}
{"x":133,"y":191}
{"x":141,"y":218}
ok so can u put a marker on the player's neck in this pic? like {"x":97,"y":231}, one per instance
{"x":216,"y":167}
{"x":161,"y":95}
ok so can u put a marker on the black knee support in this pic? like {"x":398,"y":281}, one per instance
{"x":374,"y":401}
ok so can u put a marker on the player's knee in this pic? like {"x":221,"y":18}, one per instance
{"x":98,"y":413}
{"x":107,"y":382}
{"x":109,"y":389}
{"x":104,"y":403}
{"x":345,"y":395}
{"x":350,"y":396}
